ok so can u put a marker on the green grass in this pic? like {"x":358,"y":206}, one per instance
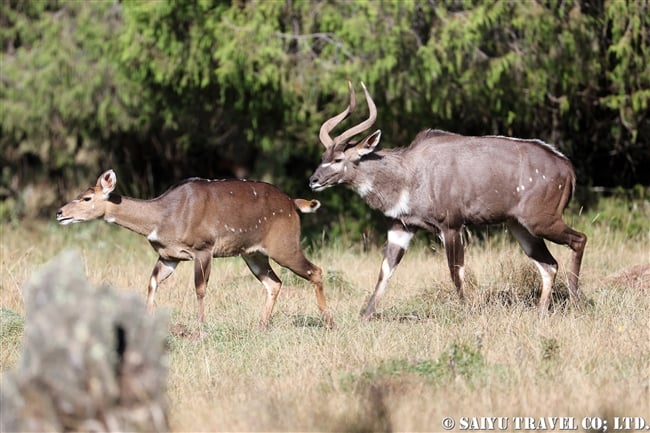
{"x":427,"y":356}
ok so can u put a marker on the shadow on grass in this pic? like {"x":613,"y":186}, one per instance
{"x":514,"y":286}
{"x":305,"y":321}
{"x":370,"y":414}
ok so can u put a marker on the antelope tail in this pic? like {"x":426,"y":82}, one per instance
{"x":306,"y":206}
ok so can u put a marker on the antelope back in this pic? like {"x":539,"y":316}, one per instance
{"x":236,"y":215}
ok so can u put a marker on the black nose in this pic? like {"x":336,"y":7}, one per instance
{"x":59,"y":213}
{"x":313,"y":180}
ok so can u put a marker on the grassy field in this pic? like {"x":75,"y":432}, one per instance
{"x":425,"y":358}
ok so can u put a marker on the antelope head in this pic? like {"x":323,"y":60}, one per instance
{"x":340,"y":160}
{"x":90,"y":204}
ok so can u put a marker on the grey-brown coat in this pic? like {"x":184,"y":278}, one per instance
{"x":443,"y":181}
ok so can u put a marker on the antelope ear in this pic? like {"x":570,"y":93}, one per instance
{"x":107,"y":182}
{"x":368,"y":144}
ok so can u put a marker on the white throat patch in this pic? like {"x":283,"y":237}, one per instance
{"x":364,"y":188}
{"x":402,"y":206}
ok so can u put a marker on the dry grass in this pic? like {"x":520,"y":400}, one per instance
{"x":426,"y":357}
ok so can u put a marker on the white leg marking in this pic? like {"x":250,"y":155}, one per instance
{"x":168,"y":267}
{"x":400,"y":238}
{"x":386,"y":273}
{"x":385,"y":269}
{"x":547,"y":277}
{"x":254,"y":249}
{"x":165,"y":271}
{"x":153,"y":236}
{"x":268,"y":284}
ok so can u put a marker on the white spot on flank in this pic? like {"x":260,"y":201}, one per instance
{"x":400,"y":238}
{"x":401,"y":207}
{"x":543,"y":176}
{"x":530,"y":179}
{"x":559,"y":186}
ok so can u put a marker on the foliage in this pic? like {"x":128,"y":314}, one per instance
{"x":623,"y":211}
{"x":459,"y":361}
{"x":165,"y":90}
{"x":62,"y":97}
{"x":11,"y":324}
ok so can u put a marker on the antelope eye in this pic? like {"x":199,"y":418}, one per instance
{"x":87,"y":198}
{"x":338,"y":159}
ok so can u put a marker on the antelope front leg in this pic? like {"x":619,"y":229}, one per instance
{"x":161,"y":270}
{"x":455,"y":258}
{"x":202,"y":266}
{"x":399,"y":238}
